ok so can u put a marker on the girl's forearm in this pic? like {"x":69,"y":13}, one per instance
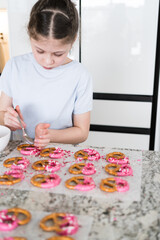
{"x":71,"y":135}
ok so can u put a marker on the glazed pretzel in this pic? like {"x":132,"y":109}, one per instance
{"x":76,"y":168}
{"x":80,"y":183}
{"x":60,"y":238}
{"x":119,"y":170}
{"x":16,"y":163}
{"x":23,"y":146}
{"x":46,"y":151}
{"x":112,"y":168}
{"x":10,"y":161}
{"x":16,"y":238}
{"x":63,"y":224}
{"x":7,"y":222}
{"x":16,"y":174}
{"x":49,"y":165}
{"x":82,"y":168}
{"x":45,"y":181}
{"x":117,"y":155}
{"x":40,"y":165}
{"x":8,"y":180}
{"x":17,"y":211}
{"x":81,"y":154}
{"x":114,"y":184}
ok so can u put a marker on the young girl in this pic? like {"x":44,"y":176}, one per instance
{"x":51,"y":93}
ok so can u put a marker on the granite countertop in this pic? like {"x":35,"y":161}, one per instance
{"x":114,"y":221}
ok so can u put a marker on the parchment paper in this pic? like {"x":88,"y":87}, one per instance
{"x":135,"y":158}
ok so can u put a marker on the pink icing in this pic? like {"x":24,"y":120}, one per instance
{"x":71,"y":226}
{"x":15,"y":173}
{"x":119,"y":161}
{"x":7,"y":222}
{"x":52,"y":166}
{"x":125,"y":170}
{"x":30,"y":151}
{"x":58,"y":153}
{"x":122,"y":185}
{"x":54,"y":181}
{"x":22,"y":164}
{"x":92,"y":154}
{"x":89,"y":169}
{"x":88,"y":184}
{"x":7,"y":238}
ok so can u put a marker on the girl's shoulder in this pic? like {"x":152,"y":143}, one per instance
{"x":77,"y":66}
{"x":21,"y":58}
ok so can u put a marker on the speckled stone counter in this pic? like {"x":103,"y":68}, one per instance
{"x":111,"y":221}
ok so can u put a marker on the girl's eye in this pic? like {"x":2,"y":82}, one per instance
{"x":40,"y":52}
{"x":58,"y":55}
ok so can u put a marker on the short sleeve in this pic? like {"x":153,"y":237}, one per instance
{"x":5,"y":79}
{"x":84,"y":95}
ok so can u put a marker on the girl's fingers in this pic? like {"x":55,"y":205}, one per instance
{"x":41,"y":142}
{"x":9,"y":117}
{"x":11,"y":123}
{"x":11,"y":111}
{"x":19,"y":112}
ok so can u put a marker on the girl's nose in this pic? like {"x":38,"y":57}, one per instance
{"x":49,"y":60}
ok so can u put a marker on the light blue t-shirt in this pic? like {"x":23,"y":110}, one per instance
{"x":47,"y":96}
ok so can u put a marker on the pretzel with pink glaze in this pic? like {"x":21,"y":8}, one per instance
{"x":49,"y":165}
{"x":52,"y":152}
{"x":119,"y":170}
{"x":8,"y":180}
{"x":63,"y":223}
{"x":82,"y":168}
{"x":13,"y":238}
{"x":16,"y":163}
{"x":23,"y":146}
{"x":117,"y":157}
{"x":92,"y":154}
{"x":45,"y":181}
{"x":15,"y":174}
{"x":28,"y":149}
{"x":81,"y":183}
{"x":85,"y":154}
{"x":114,"y":184}
{"x":9,"y":218}
{"x":60,"y":238}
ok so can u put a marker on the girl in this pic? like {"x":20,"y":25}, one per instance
{"x":51,"y":93}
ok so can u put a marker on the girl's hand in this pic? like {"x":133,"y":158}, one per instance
{"x":10,"y":118}
{"x":42,"y":136}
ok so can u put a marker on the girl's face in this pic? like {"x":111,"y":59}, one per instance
{"x":49,"y":52}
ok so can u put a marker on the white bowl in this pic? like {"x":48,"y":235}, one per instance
{"x":5,"y":134}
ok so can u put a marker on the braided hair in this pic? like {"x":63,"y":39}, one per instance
{"x":54,"y":18}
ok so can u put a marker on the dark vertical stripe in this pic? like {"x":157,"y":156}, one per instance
{"x":155,"y":87}
{"x":80,"y":29}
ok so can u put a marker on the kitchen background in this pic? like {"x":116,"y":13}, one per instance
{"x":117,"y":42}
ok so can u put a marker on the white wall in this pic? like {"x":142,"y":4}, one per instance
{"x":3,"y":3}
